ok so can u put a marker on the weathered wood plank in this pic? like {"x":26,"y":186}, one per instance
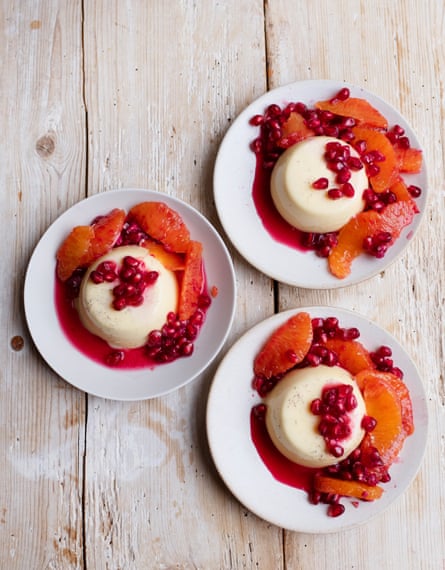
{"x":42,"y":158}
{"x":163,"y":83}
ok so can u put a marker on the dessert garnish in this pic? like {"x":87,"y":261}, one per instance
{"x":360,"y":139}
{"x":131,"y":288}
{"x":334,"y":415}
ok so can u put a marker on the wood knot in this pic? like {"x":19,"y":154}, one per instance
{"x":17,"y":342}
{"x":45,"y":146}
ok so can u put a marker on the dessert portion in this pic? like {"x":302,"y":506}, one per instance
{"x":333,"y":415}
{"x":307,"y":191}
{"x":293,"y":427}
{"x":125,"y":294}
{"x":366,"y":162}
{"x":135,"y":281}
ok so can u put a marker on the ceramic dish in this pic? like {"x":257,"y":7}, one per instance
{"x":231,"y":399}
{"x":125,"y":384}
{"x":233,"y":180}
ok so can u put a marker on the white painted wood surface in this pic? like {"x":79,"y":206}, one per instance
{"x":107,"y":94}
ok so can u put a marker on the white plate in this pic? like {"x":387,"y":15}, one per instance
{"x":125,"y":384}
{"x":233,"y":179}
{"x":228,"y":426}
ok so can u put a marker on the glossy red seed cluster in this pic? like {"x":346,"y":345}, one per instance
{"x":271,"y":129}
{"x":378,"y":201}
{"x":397,"y":137}
{"x":339,"y":160}
{"x":176,"y":337}
{"x":133,"y":280}
{"x":377,"y":244}
{"x":333,"y":407}
{"x":383,"y":361}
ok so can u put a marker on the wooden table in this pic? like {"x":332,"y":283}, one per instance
{"x":97,"y":95}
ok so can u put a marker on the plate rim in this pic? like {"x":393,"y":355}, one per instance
{"x":331,"y":525}
{"x":83,"y":211}
{"x":373,"y":266}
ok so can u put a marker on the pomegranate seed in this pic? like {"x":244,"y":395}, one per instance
{"x":315,"y":497}
{"x":378,"y":206}
{"x":360,"y":146}
{"x":131,"y":261}
{"x":348,"y":122}
{"x":331,"y":131}
{"x":336,"y":510}
{"x":354,"y":163}
{"x":273,"y":111}
{"x":351,"y":403}
{"x":368,"y":423}
{"x":260,"y":411}
{"x":316,"y":407}
{"x":403,"y":142}
{"x":115,"y":357}
{"x":154,"y":338}
{"x":343,"y":176}
{"x":373,"y":169}
{"x":320,"y":184}
{"x":151,"y":277}
{"x":257,"y":146}
{"x":415,"y":191}
{"x":331,"y":359}
{"x":313,"y":359}
{"x":335,"y":193}
{"x":347,"y":190}
{"x":335,"y":449}
{"x":331,"y":323}
{"x":398,"y":130}
{"x":257,"y":120}
{"x":187,"y":349}
{"x":343,"y":94}
{"x":96,"y":277}
{"x":120,"y":303}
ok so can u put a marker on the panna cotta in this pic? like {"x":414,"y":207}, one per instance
{"x":307,"y":208}
{"x":126,"y":326}
{"x":293,"y":427}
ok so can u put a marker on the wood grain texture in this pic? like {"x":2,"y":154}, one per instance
{"x":42,"y":171}
{"x":102,"y":95}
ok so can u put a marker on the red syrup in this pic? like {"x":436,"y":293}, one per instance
{"x":277,"y":227}
{"x":88,"y":343}
{"x":283,"y":470}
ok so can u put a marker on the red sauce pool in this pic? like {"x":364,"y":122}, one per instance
{"x":86,"y":342}
{"x":272,"y":221}
{"x":284,"y":470}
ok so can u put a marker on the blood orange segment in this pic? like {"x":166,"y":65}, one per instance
{"x":393,"y":219}
{"x":294,"y":130}
{"x":170,"y":260}
{"x":192,"y":281}
{"x":106,"y":231}
{"x":350,"y":242}
{"x":388,"y":168}
{"x":409,"y":159}
{"x":286,"y":347}
{"x":75,"y":251}
{"x":359,"y":109}
{"x":383,"y":403}
{"x":397,"y":216}
{"x":351,"y":354}
{"x":401,"y":389}
{"x":162,"y":223}
{"x":356,"y":489}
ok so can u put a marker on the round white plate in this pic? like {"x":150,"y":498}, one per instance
{"x":233,"y":180}
{"x":231,"y":399}
{"x":125,"y":384}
